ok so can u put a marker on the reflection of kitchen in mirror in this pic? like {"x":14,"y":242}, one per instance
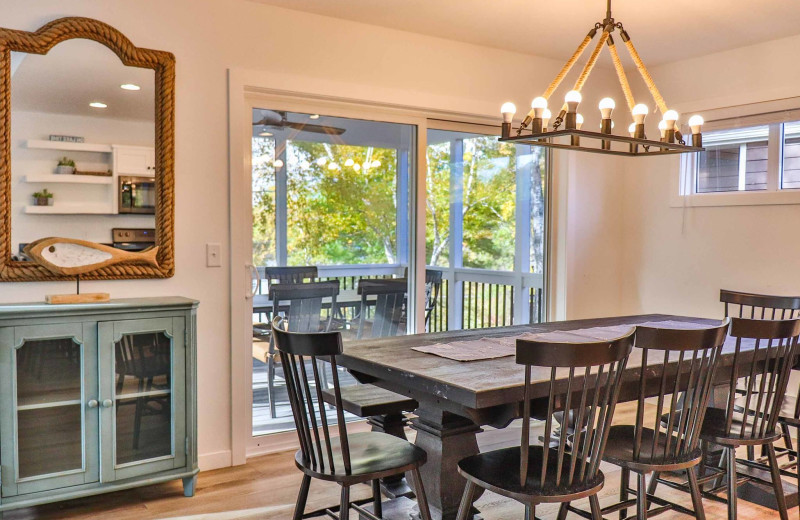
{"x":82,"y":149}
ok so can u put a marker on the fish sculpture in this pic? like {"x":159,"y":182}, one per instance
{"x":69,"y":256}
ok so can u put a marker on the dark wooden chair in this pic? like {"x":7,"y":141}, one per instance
{"x":769,"y":307}
{"x":287,"y":274}
{"x":302,"y":305}
{"x":769,"y":347}
{"x":570,"y":470}
{"x":389,"y":313}
{"x":433,"y":290}
{"x":348,"y":459}
{"x":669,"y":439}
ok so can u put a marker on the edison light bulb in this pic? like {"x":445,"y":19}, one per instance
{"x":662,"y":127}
{"x":578,"y":121}
{"x":349,"y":162}
{"x":606,"y":106}
{"x":639,"y":112}
{"x":508,"y":110}
{"x":695,"y":123}
{"x":321,"y":161}
{"x":278,"y":163}
{"x":539,"y":105}
{"x":573,"y":99}
{"x":546,"y":115}
{"x":632,"y":129}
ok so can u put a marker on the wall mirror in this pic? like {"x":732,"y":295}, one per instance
{"x":86,"y":147}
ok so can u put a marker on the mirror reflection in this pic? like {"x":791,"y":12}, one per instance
{"x":82,"y":148}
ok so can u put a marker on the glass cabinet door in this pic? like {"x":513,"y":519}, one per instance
{"x":142,"y":371}
{"x":50,"y":405}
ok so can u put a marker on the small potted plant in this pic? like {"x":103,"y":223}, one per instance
{"x":43,"y":198}
{"x":66,"y":166}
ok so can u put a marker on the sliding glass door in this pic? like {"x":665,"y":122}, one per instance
{"x":485,"y":228}
{"x":330,"y":198}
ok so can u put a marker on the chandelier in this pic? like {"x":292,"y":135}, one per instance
{"x":534,"y":128}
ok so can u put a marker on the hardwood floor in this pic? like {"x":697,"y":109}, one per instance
{"x":265,"y":489}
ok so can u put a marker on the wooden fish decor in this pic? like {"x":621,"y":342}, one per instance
{"x":72,"y":257}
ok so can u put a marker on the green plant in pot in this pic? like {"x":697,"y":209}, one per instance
{"x":66,"y":166}
{"x":43,"y":198}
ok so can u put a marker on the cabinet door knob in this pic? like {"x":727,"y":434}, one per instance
{"x":92,"y":404}
{"x":107,"y":403}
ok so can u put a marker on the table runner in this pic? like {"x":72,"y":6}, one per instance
{"x":503,"y":346}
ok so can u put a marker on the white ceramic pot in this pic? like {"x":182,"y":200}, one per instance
{"x":65,"y":170}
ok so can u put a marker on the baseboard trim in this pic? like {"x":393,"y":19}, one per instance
{"x":215,"y":460}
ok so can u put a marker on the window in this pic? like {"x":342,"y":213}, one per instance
{"x":791,"y":156}
{"x":761,"y":159}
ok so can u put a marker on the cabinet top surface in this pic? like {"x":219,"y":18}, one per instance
{"x":113,"y":306}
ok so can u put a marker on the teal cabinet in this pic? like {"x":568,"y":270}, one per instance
{"x":95,"y":398}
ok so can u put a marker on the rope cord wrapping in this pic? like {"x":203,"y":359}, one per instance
{"x":565,"y":69}
{"x":660,"y":103}
{"x":623,"y":79}
{"x":587,"y":69}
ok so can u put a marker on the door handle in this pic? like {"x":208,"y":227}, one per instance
{"x":254,"y":277}
{"x":93,"y":403}
{"x":107,"y":403}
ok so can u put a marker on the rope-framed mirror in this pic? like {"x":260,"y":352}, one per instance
{"x":56,"y":126}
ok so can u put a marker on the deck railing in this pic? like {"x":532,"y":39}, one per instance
{"x":468,"y":298}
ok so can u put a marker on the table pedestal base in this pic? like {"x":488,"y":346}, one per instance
{"x":446,"y":438}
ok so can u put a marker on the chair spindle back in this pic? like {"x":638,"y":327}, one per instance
{"x":770,"y":349}
{"x":675,"y":436}
{"x":595,"y":372}
{"x":305,"y":301}
{"x":759,"y":306}
{"x":390,"y":299}
{"x":308,"y":409}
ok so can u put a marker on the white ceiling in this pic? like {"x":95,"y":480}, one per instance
{"x":75,"y":73}
{"x":663,"y":31}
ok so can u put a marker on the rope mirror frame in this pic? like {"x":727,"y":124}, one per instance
{"x":163,"y":64}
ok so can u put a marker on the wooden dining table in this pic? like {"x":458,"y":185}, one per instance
{"x":456,"y":398}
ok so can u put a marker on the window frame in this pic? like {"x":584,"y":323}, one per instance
{"x":684,"y":189}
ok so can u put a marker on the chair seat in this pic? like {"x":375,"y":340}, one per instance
{"x":373,"y":455}
{"x":619,"y":451}
{"x":498,"y":471}
{"x":714,"y":430}
{"x":369,"y":400}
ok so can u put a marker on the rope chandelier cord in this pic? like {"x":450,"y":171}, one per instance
{"x":539,"y":116}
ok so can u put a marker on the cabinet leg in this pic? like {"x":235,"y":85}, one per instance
{"x":189,"y":485}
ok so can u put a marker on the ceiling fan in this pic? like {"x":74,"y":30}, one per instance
{"x":279,"y":120}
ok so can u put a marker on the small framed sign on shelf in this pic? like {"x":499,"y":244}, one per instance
{"x":67,"y":138}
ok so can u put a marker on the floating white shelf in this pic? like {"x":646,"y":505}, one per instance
{"x":69,"y":179}
{"x":69,"y":147}
{"x":71,"y":209}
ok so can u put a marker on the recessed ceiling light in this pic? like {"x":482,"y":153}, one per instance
{"x":130,"y":86}
{"x":97,"y":104}
{"x":314,"y":116}
{"x":265,"y":134}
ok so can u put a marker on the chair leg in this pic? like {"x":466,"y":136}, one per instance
{"x":562,"y":511}
{"x":466,"y":501}
{"x":271,"y":385}
{"x":697,"y":499}
{"x":625,"y":479}
{"x":751,"y":453}
{"x":530,"y":511}
{"x":701,"y":467}
{"x":594,"y":504}
{"x":422,"y":498}
{"x":731,"y":463}
{"x":641,"y":497}
{"x":377,"y":506}
{"x":776,"y":482}
{"x":787,"y":440}
{"x":651,"y":486}
{"x":344,"y":507}
{"x":300,"y":506}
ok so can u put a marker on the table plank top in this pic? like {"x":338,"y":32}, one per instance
{"x":393,"y":364}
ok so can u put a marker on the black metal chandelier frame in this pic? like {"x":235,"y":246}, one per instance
{"x":573,"y":138}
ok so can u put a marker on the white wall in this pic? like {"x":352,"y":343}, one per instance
{"x":307,"y":53}
{"x":676,"y":260}
{"x":32,"y":161}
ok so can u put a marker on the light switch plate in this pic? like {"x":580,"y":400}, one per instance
{"x":213,"y":255}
